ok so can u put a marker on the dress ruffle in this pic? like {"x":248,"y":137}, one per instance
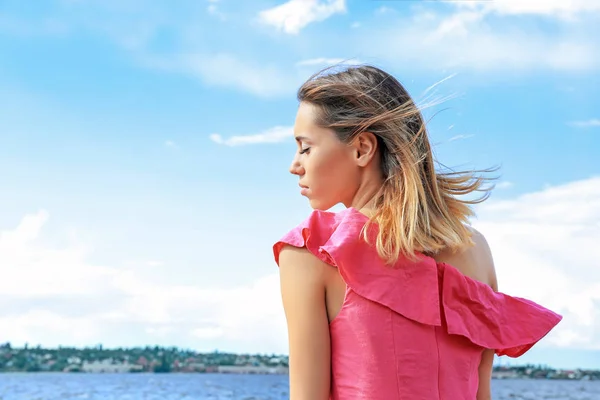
{"x":509,"y":325}
{"x":424,"y":291}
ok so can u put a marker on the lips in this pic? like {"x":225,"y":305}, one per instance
{"x":303,"y":189}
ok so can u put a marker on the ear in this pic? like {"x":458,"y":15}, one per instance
{"x":365,"y":148}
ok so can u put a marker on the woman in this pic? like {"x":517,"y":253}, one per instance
{"x":394,"y":297}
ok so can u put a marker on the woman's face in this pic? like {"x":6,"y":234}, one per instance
{"x":327,"y":169}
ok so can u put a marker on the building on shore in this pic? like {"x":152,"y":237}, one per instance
{"x":252,"y":369}
{"x":109,"y":366}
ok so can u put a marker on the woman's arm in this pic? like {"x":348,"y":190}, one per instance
{"x":303,"y":296}
{"x":484,"y":392}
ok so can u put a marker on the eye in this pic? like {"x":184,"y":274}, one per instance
{"x":304,"y":150}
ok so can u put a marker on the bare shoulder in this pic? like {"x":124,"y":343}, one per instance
{"x":475,"y":261}
{"x":483,"y":254}
{"x":481,"y":247}
{"x":300,"y":265}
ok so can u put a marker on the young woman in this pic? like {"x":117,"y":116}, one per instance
{"x":394,"y":297}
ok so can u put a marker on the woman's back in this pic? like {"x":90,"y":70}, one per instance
{"x":475,"y":262}
{"x":414,"y":330}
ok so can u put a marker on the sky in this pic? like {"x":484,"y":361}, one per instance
{"x":144,"y":150}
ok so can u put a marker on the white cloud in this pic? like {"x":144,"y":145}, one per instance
{"x":458,"y":23}
{"x":227,"y":70}
{"x":273,"y":135}
{"x":54,"y":296}
{"x":504,"y":185}
{"x":544,"y":249}
{"x":31,"y":267}
{"x":590,"y":123}
{"x":478,"y":39}
{"x":554,"y":8}
{"x":291,"y":17}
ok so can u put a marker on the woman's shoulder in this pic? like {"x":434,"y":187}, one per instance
{"x":323,"y":232}
{"x":474,"y":260}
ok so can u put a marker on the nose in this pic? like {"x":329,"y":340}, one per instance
{"x":296,"y":168}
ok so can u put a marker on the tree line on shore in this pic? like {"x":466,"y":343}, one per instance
{"x":172,"y":359}
{"x":148,"y":358}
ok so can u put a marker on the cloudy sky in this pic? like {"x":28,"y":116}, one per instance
{"x":144,"y":151}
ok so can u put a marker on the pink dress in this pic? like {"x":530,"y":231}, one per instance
{"x":416,"y":331}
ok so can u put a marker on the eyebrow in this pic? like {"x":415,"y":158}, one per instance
{"x":302,"y":139}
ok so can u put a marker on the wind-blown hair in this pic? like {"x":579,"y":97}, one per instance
{"x":417,"y":208}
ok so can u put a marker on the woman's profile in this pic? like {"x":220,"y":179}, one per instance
{"x":395,"y":297}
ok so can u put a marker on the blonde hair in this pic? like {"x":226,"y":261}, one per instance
{"x":417,"y":208}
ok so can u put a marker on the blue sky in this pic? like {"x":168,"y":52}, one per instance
{"x":145,"y":150}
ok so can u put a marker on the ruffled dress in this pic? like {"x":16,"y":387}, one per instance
{"x":416,"y":330}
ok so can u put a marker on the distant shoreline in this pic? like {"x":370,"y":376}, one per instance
{"x":157,"y":360}
{"x":512,"y":378}
{"x":137,"y":373}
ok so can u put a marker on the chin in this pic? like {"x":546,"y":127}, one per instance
{"x":320,"y":205}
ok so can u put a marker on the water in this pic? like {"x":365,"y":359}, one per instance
{"x":47,"y":386}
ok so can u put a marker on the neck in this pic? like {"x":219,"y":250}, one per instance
{"x":366,"y":195}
